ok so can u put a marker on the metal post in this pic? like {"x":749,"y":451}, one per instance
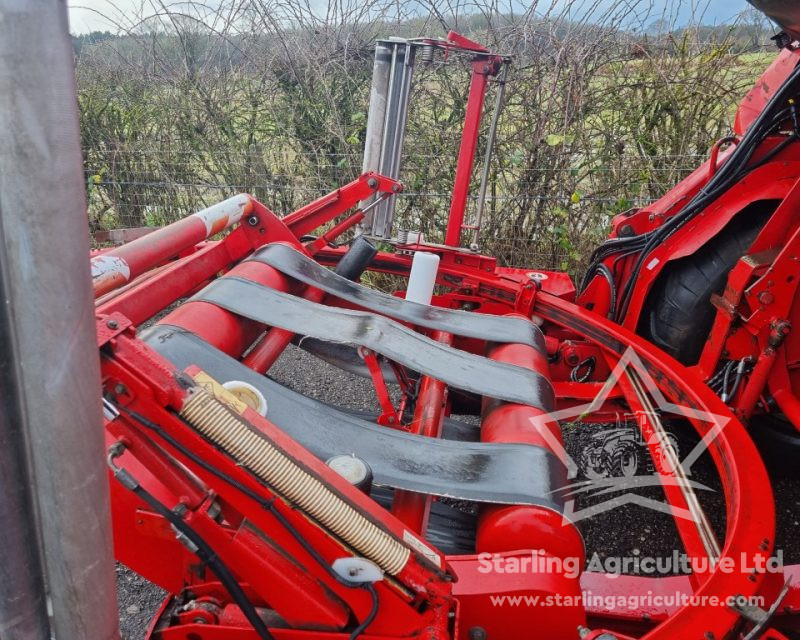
{"x":50,"y":358}
{"x":386,"y":124}
{"x":23,"y":605}
{"x":466,"y":154}
{"x":376,"y":116}
{"x":487,"y":159}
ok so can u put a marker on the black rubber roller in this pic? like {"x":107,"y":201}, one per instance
{"x":357,"y":259}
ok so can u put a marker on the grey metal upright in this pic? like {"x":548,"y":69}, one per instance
{"x":386,"y":124}
{"x":55,"y":529}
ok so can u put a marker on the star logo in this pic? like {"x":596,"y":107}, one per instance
{"x":670,"y":472}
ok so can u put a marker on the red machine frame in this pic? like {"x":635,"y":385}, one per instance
{"x":280,"y":556}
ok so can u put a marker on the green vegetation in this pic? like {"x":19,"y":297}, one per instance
{"x":597,"y":121}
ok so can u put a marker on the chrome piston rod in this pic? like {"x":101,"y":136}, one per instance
{"x":707,"y":536}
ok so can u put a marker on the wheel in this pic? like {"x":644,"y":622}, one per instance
{"x":778,"y":442}
{"x":624,"y":460}
{"x":678,"y":314}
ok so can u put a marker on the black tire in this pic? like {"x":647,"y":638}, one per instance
{"x":678,"y":313}
{"x":779,"y":444}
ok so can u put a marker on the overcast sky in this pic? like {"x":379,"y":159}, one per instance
{"x":101,"y":15}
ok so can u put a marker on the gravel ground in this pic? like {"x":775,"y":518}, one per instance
{"x":626,"y":531}
{"x":138,"y":601}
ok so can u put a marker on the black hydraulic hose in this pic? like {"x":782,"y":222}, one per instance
{"x":603,"y":270}
{"x":200,"y":548}
{"x":733,"y":168}
{"x":623,"y":246}
{"x":266,"y":504}
{"x":775,"y":151}
{"x":631,"y":244}
{"x":716,"y":186}
{"x":371,"y":615}
{"x":269,"y":506}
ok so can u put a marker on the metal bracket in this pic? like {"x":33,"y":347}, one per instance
{"x":757,"y":615}
{"x":110,"y":326}
{"x":358,"y":570}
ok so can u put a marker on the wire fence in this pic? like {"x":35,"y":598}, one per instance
{"x":595,"y":122}
{"x":134,"y":188}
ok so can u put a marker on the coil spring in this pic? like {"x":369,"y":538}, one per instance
{"x":250,"y":449}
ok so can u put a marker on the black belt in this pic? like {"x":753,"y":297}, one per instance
{"x":461,"y":323}
{"x":397,"y":342}
{"x":479,"y":472}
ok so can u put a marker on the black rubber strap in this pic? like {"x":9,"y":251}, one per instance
{"x":474,"y":471}
{"x":397,"y":342}
{"x":483,"y":326}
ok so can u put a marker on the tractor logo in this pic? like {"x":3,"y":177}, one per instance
{"x":635,"y":453}
{"x":623,"y":451}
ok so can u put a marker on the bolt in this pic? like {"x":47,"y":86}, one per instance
{"x":395,"y":188}
{"x":571,"y":356}
{"x":739,"y":600}
{"x":478,"y":633}
{"x":779,"y":330}
{"x":353,"y":572}
{"x":112,"y":324}
{"x":709,"y":635}
{"x":253,"y":220}
{"x":120,"y":389}
{"x":626,"y":231}
{"x":372,"y":183}
{"x":765,"y":297}
{"x":199,"y":620}
{"x":180,"y":510}
{"x":214,"y":510}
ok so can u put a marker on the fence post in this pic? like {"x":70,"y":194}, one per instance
{"x":50,"y":365}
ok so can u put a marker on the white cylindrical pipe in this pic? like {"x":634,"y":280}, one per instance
{"x":422,"y":277}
